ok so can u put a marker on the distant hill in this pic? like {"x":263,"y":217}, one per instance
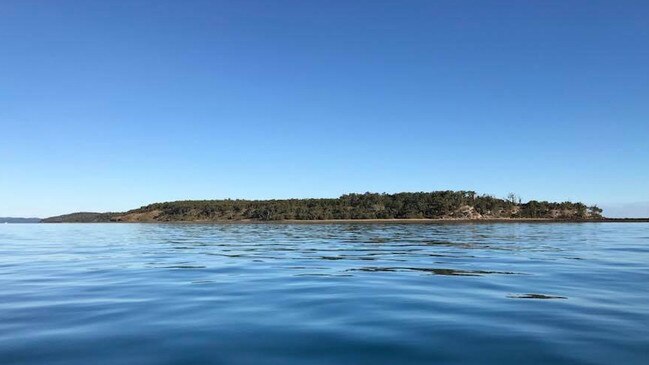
{"x":419,"y":205}
{"x":81,"y":217}
{"x":19,"y":220}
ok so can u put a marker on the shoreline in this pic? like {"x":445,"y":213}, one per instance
{"x":385,"y":221}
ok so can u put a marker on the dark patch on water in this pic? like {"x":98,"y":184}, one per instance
{"x":183,"y":267}
{"x":434,"y":271}
{"x":535,"y":296}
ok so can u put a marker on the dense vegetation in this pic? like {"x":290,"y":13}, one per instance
{"x":438,"y":204}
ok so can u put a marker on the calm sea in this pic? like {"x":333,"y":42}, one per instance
{"x":324,"y":294}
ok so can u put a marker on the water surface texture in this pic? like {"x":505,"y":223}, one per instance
{"x":324,"y":294}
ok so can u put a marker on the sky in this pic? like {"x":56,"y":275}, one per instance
{"x":111,"y":105}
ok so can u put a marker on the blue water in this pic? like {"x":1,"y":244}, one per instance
{"x":324,"y":294}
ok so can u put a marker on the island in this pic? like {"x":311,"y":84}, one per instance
{"x":408,"y":206}
{"x":19,"y":220}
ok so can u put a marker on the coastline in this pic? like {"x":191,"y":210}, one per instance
{"x":463,"y":221}
{"x":385,"y":221}
{"x":404,"y":207}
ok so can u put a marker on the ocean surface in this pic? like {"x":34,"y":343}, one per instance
{"x":509,"y":293}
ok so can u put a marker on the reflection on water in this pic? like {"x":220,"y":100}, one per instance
{"x":324,"y":294}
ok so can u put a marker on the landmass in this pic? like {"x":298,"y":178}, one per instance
{"x":416,"y":206}
{"x":19,"y":220}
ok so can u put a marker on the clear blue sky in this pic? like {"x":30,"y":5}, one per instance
{"x":110,"y":105}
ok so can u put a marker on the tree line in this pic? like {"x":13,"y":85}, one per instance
{"x":432,"y":205}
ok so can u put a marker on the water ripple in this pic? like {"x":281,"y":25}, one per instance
{"x":324,"y":294}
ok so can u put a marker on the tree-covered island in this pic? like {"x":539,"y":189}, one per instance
{"x":442,"y":205}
